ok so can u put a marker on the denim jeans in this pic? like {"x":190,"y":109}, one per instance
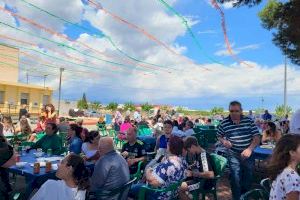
{"x":241,"y":171}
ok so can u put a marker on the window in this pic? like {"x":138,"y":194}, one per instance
{"x":24,"y":98}
{"x":46,"y":99}
{"x":1,"y":97}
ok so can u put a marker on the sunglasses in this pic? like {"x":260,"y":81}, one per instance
{"x":234,"y":111}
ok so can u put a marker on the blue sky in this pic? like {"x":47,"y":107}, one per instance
{"x":189,"y":85}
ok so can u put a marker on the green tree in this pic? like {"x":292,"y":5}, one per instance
{"x":180,"y":110}
{"x":282,"y":17}
{"x":217,"y":111}
{"x":146,"y":107}
{"x":258,"y":111}
{"x":96,"y":105}
{"x":164,"y":108}
{"x":129,"y":106}
{"x":112,"y":106}
{"x":280,"y":112}
{"x":82,"y":103}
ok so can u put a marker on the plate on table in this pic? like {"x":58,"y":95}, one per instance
{"x":267,"y":146}
{"x":20,"y":164}
{"x":53,"y":159}
{"x":54,"y":166}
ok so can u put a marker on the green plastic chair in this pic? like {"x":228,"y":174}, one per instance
{"x":255,"y":194}
{"x":144,"y":131}
{"x":201,"y":139}
{"x":210,"y":136}
{"x":172,"y":188}
{"x":118,"y":193}
{"x":219,"y":164}
{"x":203,"y":127}
{"x":102,"y":129}
{"x":112,"y":133}
{"x":26,"y":143}
{"x":142,"y":126}
{"x":22,"y":137}
{"x":139,"y":173}
{"x":197,"y":129}
{"x":40,"y":135}
{"x":11,"y":139}
{"x":266,"y":185}
{"x":63,"y":137}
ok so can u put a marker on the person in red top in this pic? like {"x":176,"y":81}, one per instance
{"x":50,"y":114}
{"x":41,"y":125}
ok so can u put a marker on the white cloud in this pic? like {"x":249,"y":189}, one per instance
{"x":225,"y":52}
{"x":251,"y":47}
{"x":228,"y":5}
{"x":235,"y":50}
{"x":187,"y":80}
{"x":209,"y":31}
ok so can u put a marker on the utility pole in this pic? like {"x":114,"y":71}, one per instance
{"x":27,"y":77}
{"x":59,"y":91}
{"x":45,"y":76}
{"x":285,"y":86}
{"x":262,"y":103}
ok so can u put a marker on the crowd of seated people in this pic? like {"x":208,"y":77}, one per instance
{"x":179,"y":156}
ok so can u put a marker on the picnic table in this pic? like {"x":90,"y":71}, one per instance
{"x":27,"y":171}
{"x":263,"y":152}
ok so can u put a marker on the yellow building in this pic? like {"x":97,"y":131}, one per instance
{"x":14,"y":94}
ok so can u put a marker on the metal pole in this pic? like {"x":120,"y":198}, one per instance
{"x":285,"y":86}
{"x":59,"y":91}
{"x":45,"y":76}
{"x":27,"y":77}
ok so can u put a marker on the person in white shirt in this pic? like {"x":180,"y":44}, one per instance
{"x":73,"y":184}
{"x":283,"y":169}
{"x":187,"y":130}
{"x":137,"y":116}
{"x":90,"y":146}
{"x":250,"y":115}
{"x":159,"y":125}
{"x":8,"y":127}
{"x":295,"y":123}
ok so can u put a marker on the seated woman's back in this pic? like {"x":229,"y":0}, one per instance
{"x":58,"y":190}
{"x":287,"y":181}
{"x":73,"y":184}
{"x":282,"y":168}
{"x":90,"y":146}
{"x":170,"y":170}
{"x":271,"y":134}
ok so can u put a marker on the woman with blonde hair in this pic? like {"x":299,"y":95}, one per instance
{"x":23,"y":127}
{"x":8,"y":127}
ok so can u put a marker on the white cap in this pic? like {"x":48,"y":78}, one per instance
{"x":295,"y":123}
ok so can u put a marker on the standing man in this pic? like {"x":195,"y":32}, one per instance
{"x":239,"y":135}
{"x":267,"y":116}
{"x":251,"y":116}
